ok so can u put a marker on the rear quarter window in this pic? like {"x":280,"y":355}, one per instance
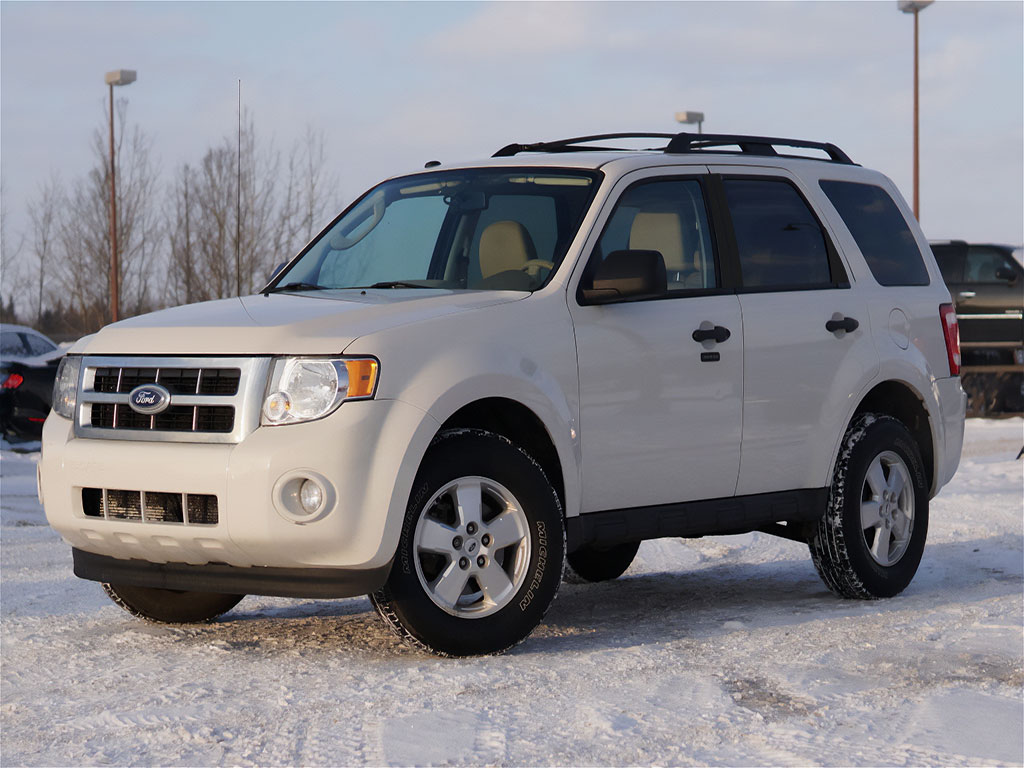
{"x":880,"y":231}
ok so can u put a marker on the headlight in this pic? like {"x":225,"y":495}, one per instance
{"x":308,"y":388}
{"x":65,"y":386}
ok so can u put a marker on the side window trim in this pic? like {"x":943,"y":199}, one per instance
{"x":837,"y":272}
{"x":725,"y":286}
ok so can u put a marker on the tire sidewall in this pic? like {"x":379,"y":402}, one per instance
{"x":483,"y":454}
{"x":883,"y":435}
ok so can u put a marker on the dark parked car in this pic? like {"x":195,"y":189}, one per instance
{"x":28,"y":366}
{"x":987,"y":284}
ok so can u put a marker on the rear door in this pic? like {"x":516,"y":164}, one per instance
{"x":806,"y":334}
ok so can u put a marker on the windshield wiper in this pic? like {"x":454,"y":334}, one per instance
{"x":394,"y":284}
{"x":296,"y":287}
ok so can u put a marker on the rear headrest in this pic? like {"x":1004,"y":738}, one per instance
{"x":505,"y":246}
{"x":662,"y":232}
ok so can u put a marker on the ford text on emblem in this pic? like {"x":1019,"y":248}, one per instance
{"x":149,"y":399}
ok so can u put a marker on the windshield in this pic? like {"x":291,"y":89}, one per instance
{"x":480,"y":229}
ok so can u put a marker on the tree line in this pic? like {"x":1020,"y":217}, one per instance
{"x":177,"y":240}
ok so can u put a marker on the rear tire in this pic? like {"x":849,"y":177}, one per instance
{"x":594,"y":564}
{"x":482,"y":549}
{"x":170,"y":606}
{"x":869,"y":542}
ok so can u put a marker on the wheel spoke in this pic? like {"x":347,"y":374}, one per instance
{"x":469,"y":499}
{"x":450,"y":583}
{"x":493,"y":581}
{"x":870,"y":514}
{"x":876,"y":478}
{"x":880,"y":549}
{"x":896,"y":481}
{"x":434,"y":536}
{"x":505,"y":530}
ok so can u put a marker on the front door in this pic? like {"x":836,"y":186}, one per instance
{"x":660,"y":413}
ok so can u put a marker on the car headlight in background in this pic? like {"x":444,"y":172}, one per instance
{"x":65,"y":386}
{"x":308,"y":388}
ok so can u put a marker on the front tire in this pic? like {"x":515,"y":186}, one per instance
{"x":170,"y":606}
{"x":870,"y":540}
{"x":482,"y":549}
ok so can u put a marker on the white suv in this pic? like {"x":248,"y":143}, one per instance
{"x":481,"y":371}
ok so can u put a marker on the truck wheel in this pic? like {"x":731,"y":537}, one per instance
{"x":482,"y":548}
{"x":601,"y":563}
{"x":170,"y":606}
{"x":869,"y":542}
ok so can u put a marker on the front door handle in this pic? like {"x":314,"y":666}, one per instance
{"x":718,"y":334}
{"x":840,"y":323}
{"x":967,"y":294}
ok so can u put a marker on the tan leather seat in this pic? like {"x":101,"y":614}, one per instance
{"x":505,"y":246}
{"x":663,"y":232}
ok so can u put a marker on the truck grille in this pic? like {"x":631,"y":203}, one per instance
{"x":213,"y":400}
{"x":150,"y":506}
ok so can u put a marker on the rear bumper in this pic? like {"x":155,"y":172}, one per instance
{"x":953,"y":408}
{"x":230,"y":579}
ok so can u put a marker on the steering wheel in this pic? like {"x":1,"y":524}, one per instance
{"x":533,"y":266}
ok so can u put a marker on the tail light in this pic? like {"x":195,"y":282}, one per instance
{"x":951,"y":333}
{"x":13,"y":381}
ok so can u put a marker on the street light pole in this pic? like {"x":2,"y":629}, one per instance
{"x":915,"y":7}
{"x":690,"y":118}
{"x":117,"y":77}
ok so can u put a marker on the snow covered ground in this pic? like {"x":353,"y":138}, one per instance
{"x":724,"y":651}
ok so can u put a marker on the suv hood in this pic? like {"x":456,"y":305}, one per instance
{"x":320,"y":323}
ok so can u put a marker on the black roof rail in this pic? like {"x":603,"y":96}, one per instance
{"x":570,"y":145}
{"x":683,"y":143}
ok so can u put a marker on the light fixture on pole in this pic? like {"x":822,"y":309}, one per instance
{"x":915,"y":7}
{"x":690,"y":118}
{"x":117,"y":77}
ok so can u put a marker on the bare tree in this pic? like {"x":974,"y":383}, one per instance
{"x":44,"y":218}
{"x":217,"y":250}
{"x":85,"y":228}
{"x":10,"y":274}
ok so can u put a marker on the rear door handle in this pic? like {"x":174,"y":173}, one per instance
{"x":718,"y":334}
{"x":847,"y":324}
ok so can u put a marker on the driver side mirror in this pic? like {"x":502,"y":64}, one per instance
{"x":625,"y":276}
{"x":1007,"y":274}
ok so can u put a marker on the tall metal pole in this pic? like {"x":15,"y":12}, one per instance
{"x":917,"y":169}
{"x":238,"y":201}
{"x":115,"y":303}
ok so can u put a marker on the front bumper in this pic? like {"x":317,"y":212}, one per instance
{"x":321,"y":583}
{"x":367,"y":452}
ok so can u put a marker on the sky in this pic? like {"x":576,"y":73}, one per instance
{"x":394,"y":84}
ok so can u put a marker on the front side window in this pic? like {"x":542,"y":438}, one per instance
{"x":880,"y":231}
{"x":984,"y":265}
{"x":779,"y":241}
{"x":669,"y":217}
{"x":481,"y":229}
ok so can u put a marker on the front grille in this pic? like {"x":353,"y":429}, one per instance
{"x":213,"y":399}
{"x":178,"y":418}
{"x":150,"y":506}
{"x":178,"y":381}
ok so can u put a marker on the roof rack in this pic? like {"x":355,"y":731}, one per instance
{"x":685,"y":143}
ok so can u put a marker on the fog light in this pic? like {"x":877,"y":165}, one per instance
{"x":311,"y":496}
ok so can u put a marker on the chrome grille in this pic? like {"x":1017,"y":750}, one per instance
{"x":213,"y":400}
{"x":150,"y":506}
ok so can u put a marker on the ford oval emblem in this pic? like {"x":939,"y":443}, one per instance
{"x":149,"y":399}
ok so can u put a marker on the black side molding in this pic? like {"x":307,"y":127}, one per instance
{"x":714,"y":517}
{"x":320,"y":583}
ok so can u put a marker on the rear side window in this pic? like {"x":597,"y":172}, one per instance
{"x":880,"y":231}
{"x":781,"y":244}
{"x":12,"y":344}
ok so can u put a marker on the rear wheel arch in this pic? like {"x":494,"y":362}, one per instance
{"x":902,"y":402}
